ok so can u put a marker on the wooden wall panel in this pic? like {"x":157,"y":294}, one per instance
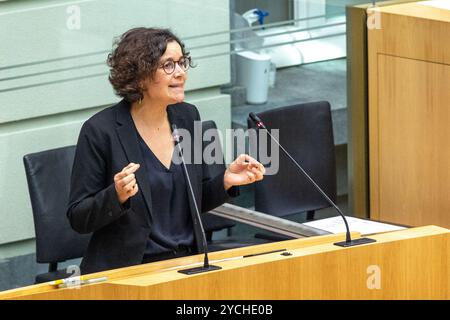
{"x":414,"y":136}
{"x":409,"y":94}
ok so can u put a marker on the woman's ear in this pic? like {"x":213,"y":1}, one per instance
{"x":143,"y":85}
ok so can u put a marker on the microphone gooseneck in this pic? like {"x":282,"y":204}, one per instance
{"x":206,"y":266}
{"x":348,"y":240}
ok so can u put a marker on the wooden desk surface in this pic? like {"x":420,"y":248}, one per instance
{"x":316,"y":270}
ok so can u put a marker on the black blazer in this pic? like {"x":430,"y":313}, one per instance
{"x":108,"y":142}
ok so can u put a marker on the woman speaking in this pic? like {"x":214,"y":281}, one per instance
{"x":126,"y":188}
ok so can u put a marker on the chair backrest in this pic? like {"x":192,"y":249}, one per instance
{"x":48,"y":175}
{"x":306,"y":132}
{"x":211,"y":222}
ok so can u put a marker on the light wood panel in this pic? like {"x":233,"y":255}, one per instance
{"x":409,"y":116}
{"x":414,"y":141}
{"x":413,"y":264}
{"x":357,"y":107}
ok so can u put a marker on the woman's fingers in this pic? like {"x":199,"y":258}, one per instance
{"x":129,"y":187}
{"x":251,"y":176}
{"x":129,"y":169}
{"x":253,"y":169}
{"x":258,"y":173}
{"x":253,"y":165}
{"x":131,"y":164}
{"x":135,"y":190}
{"x":239,"y":160}
{"x":125,"y":182}
{"x":246,"y":161}
{"x":243,"y":159}
{"x":251,"y":160}
{"x":261,"y":168}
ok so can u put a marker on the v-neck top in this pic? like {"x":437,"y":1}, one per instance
{"x":172,"y":221}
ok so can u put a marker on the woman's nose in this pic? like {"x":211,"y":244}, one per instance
{"x":179,"y":70}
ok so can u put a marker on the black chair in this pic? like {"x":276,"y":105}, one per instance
{"x":306,"y":132}
{"x":48,"y":176}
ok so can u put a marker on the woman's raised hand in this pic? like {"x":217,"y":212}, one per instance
{"x":125,"y":182}
{"x":243,"y":170}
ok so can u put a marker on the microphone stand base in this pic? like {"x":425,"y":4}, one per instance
{"x":355,"y":242}
{"x":199,"y":269}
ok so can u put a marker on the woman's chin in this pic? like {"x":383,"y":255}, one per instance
{"x":179,"y":98}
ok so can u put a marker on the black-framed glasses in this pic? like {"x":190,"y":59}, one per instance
{"x":169,"y":65}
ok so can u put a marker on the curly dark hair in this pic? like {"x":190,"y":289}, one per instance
{"x":135,"y":57}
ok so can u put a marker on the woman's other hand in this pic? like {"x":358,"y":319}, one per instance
{"x":125,"y":182}
{"x":243,"y":170}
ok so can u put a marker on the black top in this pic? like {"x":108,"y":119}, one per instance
{"x":106,"y":144}
{"x":172,"y":221}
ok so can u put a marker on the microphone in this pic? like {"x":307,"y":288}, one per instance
{"x":206,"y":266}
{"x":348,"y":240}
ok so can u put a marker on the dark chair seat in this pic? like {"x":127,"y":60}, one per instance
{"x":213,"y":223}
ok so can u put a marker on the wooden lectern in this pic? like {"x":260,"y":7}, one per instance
{"x":409,"y":114}
{"x":407,"y":264}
